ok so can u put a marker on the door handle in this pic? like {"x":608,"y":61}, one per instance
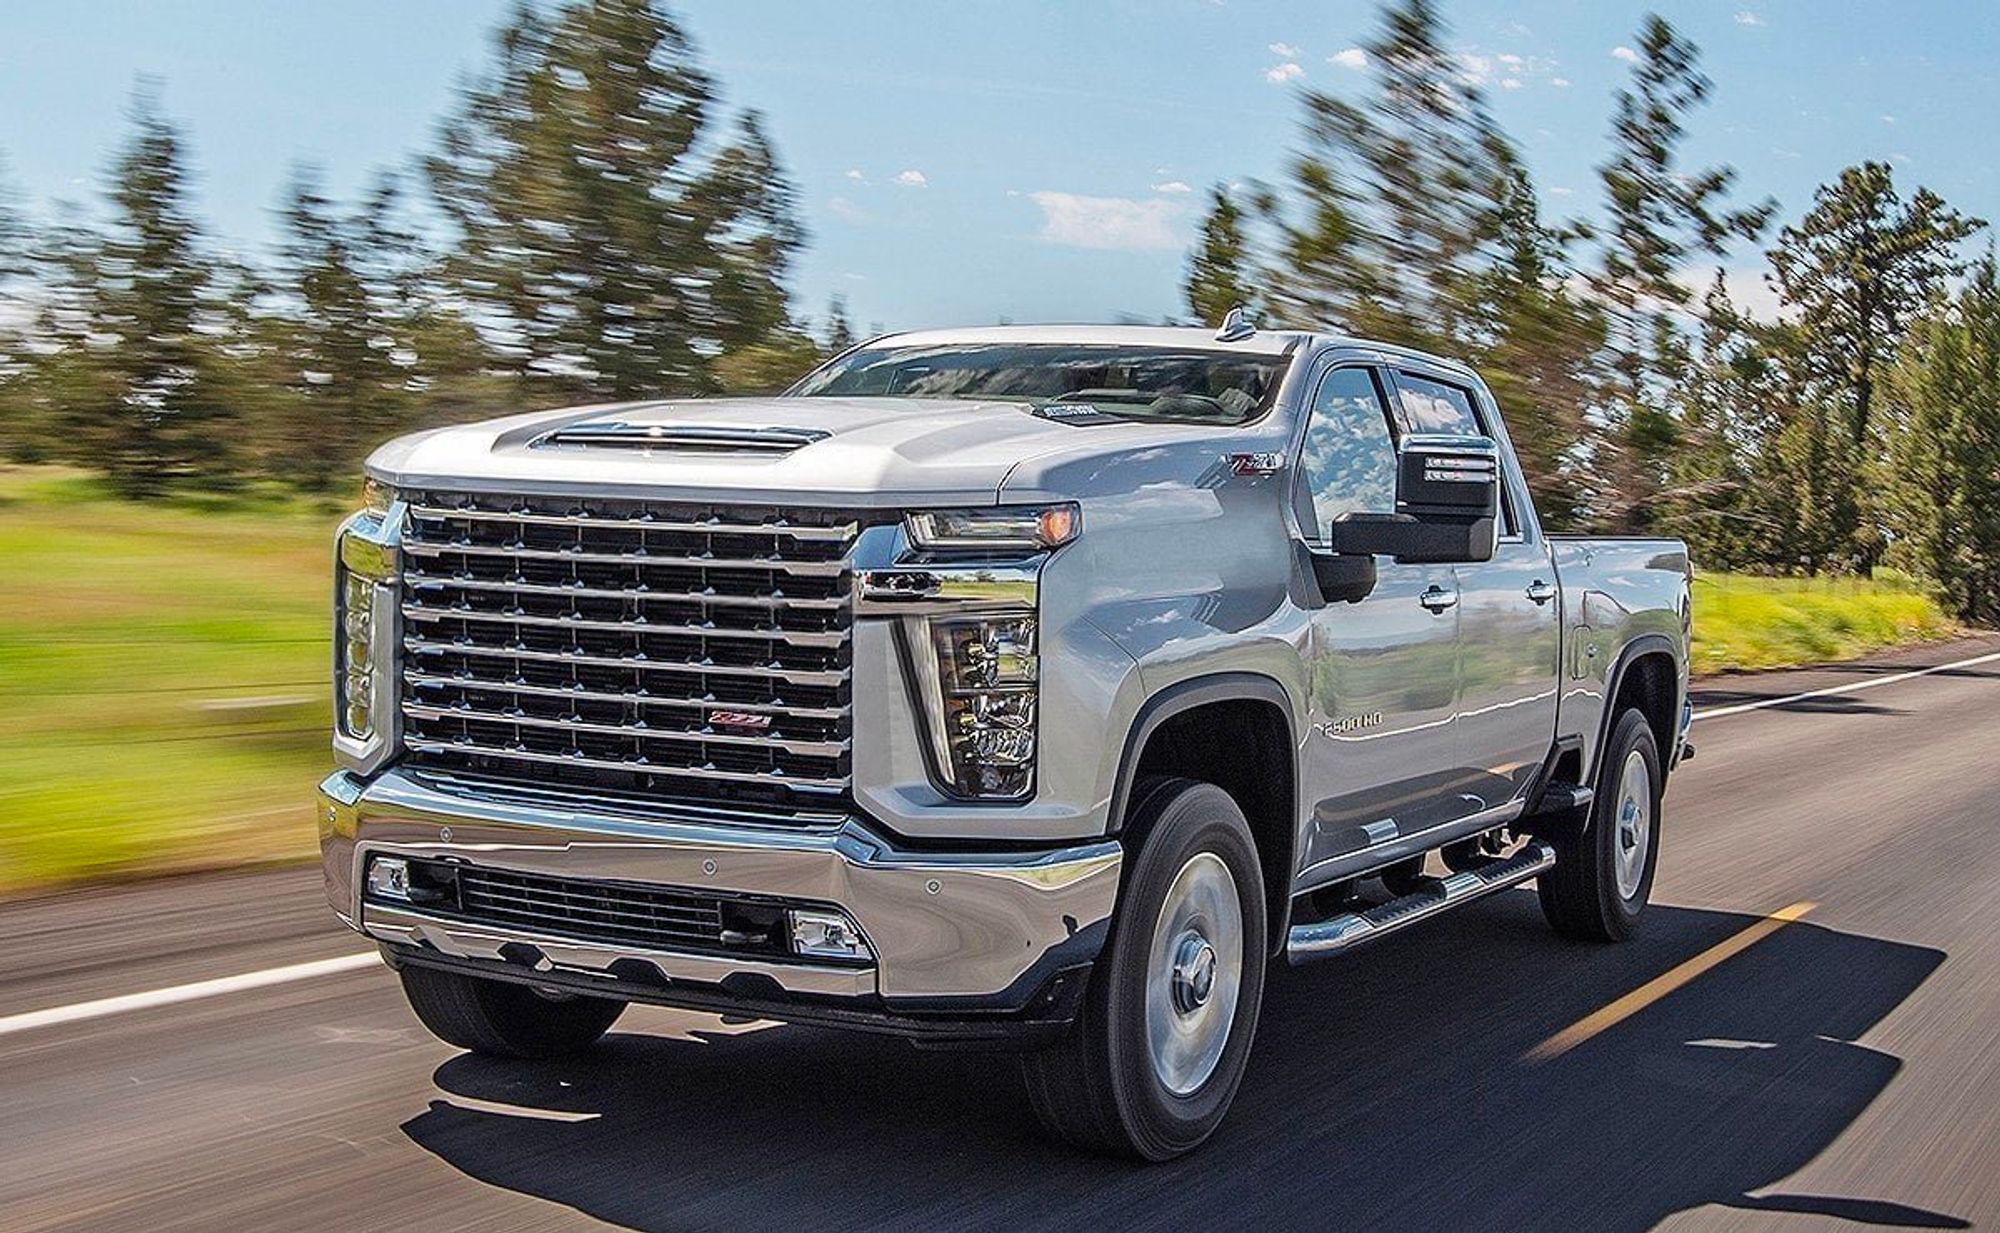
{"x":1437,"y":599}
{"x":1541,"y":592}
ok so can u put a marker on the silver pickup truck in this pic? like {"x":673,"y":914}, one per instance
{"x":1026,"y":688}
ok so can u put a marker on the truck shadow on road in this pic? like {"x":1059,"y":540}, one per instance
{"x":1387,"y":1089}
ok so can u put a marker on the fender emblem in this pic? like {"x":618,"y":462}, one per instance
{"x":739,"y":719}
{"x":1340,"y":725}
{"x":1269,"y":463}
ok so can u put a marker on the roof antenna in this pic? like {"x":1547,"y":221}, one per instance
{"x":1236,"y":325}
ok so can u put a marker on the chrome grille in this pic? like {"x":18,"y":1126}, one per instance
{"x":654,"y":649}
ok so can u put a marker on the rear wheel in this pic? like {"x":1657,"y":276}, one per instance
{"x":1602,"y":880}
{"x":502,"y":1019}
{"x":1158,"y":1050}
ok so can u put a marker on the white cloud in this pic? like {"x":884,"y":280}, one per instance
{"x":1626,"y":54}
{"x":854,"y":174}
{"x":1473,"y":68}
{"x":1888,"y":119}
{"x":1076,"y":221}
{"x":1510,"y":83}
{"x":1560,"y":191}
{"x":912,"y":178}
{"x":1748,"y":18}
{"x":1560,"y":83}
{"x":1172,"y":186}
{"x":846,"y":211}
{"x":1352,"y":58}
{"x":1285,"y":51}
{"x":1279,"y":74}
{"x":1748,"y":289}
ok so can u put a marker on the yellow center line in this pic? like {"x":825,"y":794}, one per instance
{"x":1663,"y":984}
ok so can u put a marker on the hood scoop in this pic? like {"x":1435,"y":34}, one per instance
{"x":682,"y":438}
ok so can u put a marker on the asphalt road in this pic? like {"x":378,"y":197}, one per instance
{"x":1842,"y":1071}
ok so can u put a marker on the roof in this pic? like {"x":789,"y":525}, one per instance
{"x":1262,"y":342}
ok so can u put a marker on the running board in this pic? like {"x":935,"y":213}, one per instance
{"x":1327,"y":937}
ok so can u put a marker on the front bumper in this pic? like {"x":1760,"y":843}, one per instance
{"x":950,"y":933}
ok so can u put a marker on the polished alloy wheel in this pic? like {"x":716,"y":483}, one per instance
{"x":1193,"y":975}
{"x":1635,"y":823}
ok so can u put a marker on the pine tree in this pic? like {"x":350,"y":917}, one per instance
{"x":616,"y":240}
{"x":1401,"y":197}
{"x":1539,"y":354}
{"x":1658,"y":218}
{"x":1946,"y":387}
{"x":136,"y":383}
{"x":1855,"y":271}
{"x":18,"y":437}
{"x":839,"y":330}
{"x":343,"y":339}
{"x":1218,"y":277}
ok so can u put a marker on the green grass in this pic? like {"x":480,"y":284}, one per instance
{"x":163,"y":679}
{"x":164,"y":671}
{"x":1748,"y":622}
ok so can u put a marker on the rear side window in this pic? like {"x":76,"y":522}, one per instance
{"x":1347,"y":462}
{"x":1424,"y":405}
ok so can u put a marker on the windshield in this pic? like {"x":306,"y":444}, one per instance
{"x":1135,"y":383}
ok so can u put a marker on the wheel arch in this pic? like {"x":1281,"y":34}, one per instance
{"x":1646,"y":675}
{"x":1173,"y":734}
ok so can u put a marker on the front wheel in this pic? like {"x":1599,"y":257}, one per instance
{"x":1159,"y":1048}
{"x":502,"y":1019}
{"x":1602,"y":880}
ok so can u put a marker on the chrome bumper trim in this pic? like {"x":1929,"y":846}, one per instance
{"x":979,"y":930}
{"x":464,"y":940}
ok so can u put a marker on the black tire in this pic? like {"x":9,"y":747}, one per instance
{"x":500,"y":1019}
{"x":1581,"y":896}
{"x":1099,"y":1087}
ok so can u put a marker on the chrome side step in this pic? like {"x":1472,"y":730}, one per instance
{"x":1327,"y":937}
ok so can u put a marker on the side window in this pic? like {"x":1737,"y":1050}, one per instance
{"x":1424,"y":405}
{"x":1347,"y":463}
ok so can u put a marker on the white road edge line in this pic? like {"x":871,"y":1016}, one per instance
{"x":1719,"y":711}
{"x":185,"y":993}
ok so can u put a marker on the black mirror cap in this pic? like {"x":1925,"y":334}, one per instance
{"x":1429,"y":540}
{"x":1448,"y":476}
{"x":1343,"y":577}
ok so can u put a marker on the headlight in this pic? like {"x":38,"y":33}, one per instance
{"x":356,"y":668}
{"x":1026,"y":528}
{"x":985,"y":705}
{"x":364,"y":601}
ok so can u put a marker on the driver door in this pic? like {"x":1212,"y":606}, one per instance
{"x":1382,"y":744}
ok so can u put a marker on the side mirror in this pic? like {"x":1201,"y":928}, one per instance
{"x":1447,"y":505}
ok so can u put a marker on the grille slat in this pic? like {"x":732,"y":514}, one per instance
{"x":824,"y":749}
{"x":629,"y":663}
{"x":840,"y":532}
{"x":429,"y":583}
{"x":628,"y":698}
{"x":775,"y":563}
{"x":790,"y":637}
{"x":593,"y":644}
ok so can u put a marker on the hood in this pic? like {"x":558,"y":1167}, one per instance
{"x":853,"y":451}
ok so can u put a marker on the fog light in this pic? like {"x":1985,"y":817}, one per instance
{"x":825,"y":935}
{"x":389,"y":878}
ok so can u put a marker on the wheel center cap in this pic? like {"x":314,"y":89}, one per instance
{"x":1194,"y":973}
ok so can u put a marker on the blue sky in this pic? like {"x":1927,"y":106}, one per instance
{"x":964,"y":162}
